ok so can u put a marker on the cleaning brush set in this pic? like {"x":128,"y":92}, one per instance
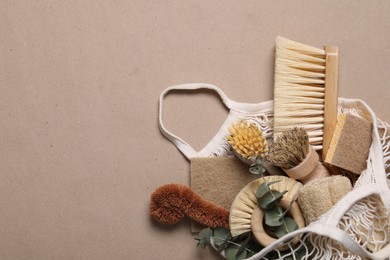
{"x":305,"y":176}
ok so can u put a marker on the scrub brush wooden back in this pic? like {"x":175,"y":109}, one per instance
{"x":305,"y":93}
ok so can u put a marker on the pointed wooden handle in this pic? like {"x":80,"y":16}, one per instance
{"x":331,"y":96}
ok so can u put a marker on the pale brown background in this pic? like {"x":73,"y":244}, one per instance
{"x":80,"y":149}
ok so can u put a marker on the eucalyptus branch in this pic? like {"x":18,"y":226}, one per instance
{"x":233,"y":243}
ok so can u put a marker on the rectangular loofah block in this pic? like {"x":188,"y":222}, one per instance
{"x":318,"y":196}
{"x":350,"y":143}
{"x":219,"y":179}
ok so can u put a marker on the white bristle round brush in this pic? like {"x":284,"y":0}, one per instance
{"x":245,"y":214}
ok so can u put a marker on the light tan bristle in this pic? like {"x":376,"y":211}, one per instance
{"x":299,"y":89}
{"x":243,"y":206}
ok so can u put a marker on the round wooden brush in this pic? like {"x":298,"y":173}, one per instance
{"x":245,"y":214}
{"x":293,"y":153}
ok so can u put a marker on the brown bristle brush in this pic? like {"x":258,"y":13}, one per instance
{"x":171,"y":202}
{"x":306,"y":90}
{"x":293,"y":153}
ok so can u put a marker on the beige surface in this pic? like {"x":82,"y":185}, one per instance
{"x":80,"y":150}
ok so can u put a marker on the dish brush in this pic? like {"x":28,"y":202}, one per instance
{"x":293,"y":153}
{"x":245,"y":214}
{"x":306,"y":90}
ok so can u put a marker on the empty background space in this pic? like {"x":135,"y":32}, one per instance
{"x":80,"y":148}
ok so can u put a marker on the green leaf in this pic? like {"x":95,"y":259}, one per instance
{"x":222,"y":232}
{"x":300,"y":253}
{"x":231,"y":253}
{"x":288,"y":226}
{"x":222,"y":246}
{"x":264,"y":188}
{"x":204,"y":237}
{"x":244,"y":245}
{"x":257,"y":169}
{"x":221,"y":238}
{"x":270,"y":199}
{"x":289,"y":207}
{"x":273,"y":217}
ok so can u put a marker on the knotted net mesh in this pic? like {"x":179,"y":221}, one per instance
{"x":367,"y":221}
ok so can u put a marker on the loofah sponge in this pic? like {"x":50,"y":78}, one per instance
{"x":350,"y":143}
{"x":318,"y":196}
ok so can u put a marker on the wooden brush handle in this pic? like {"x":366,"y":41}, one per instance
{"x":171,"y":202}
{"x":257,"y":223}
{"x":309,"y":169}
{"x":320,"y":171}
{"x":331,"y":96}
{"x":305,"y":168}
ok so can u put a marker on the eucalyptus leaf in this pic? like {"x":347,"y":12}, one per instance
{"x":273,"y":217}
{"x":300,"y":253}
{"x":264,"y":188}
{"x":222,"y":246}
{"x":221,"y":237}
{"x":204,"y":237}
{"x":288,"y":226}
{"x":257,"y":169}
{"x":231,"y":253}
{"x":270,"y":199}
{"x":222,"y":232}
{"x":244,"y":244}
{"x":289,"y":207}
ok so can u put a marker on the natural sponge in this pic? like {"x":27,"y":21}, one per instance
{"x":318,"y":196}
{"x":350,"y":143}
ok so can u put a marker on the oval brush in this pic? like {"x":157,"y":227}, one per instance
{"x":171,"y":202}
{"x":293,"y":153}
{"x":244,"y":211}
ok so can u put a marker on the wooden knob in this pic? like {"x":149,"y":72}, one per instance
{"x":309,"y":169}
{"x":257,"y":224}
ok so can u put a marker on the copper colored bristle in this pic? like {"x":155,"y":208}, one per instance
{"x":171,"y":202}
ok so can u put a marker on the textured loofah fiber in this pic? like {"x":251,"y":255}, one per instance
{"x":318,"y":196}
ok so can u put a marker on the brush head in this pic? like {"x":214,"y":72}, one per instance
{"x":290,"y":148}
{"x":247,"y":140}
{"x":245,"y":203}
{"x":299,"y":89}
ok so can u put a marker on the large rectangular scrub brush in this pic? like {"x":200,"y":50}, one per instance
{"x":306,"y":90}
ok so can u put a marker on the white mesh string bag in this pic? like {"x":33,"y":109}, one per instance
{"x":358,"y":226}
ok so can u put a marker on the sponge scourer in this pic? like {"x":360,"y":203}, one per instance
{"x":318,"y":196}
{"x":350,"y":143}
